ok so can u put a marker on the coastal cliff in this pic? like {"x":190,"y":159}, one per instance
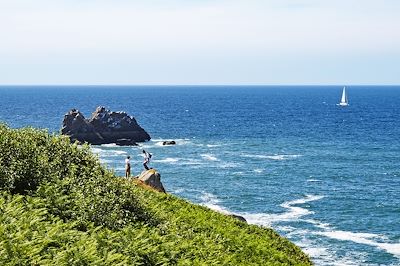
{"x":60,"y":206}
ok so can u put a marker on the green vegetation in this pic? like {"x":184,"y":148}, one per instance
{"x":59,"y":206}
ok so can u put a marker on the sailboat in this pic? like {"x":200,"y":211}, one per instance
{"x":344,"y":101}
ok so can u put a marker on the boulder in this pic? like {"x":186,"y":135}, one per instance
{"x":103,"y":127}
{"x":152,"y":178}
{"x":169,"y":142}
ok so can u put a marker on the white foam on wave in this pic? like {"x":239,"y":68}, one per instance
{"x":211,"y":201}
{"x":228,"y":165}
{"x":119,"y":152}
{"x":192,"y":162}
{"x":357,"y":237}
{"x":308,"y":198}
{"x":167,"y":160}
{"x":160,"y":143}
{"x":96,"y":150}
{"x":313,"y":180}
{"x":321,"y":255}
{"x":277,"y":157}
{"x":109,"y":145}
{"x":282,"y":157}
{"x":213,"y":145}
{"x":362,"y":238}
{"x":104,"y":161}
{"x":239,"y":173}
{"x":178,"y":190}
{"x":257,"y":170}
{"x":293,"y":213}
{"x":107,"y":152}
{"x":209,"y":157}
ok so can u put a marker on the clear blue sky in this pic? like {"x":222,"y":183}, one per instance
{"x":200,"y":42}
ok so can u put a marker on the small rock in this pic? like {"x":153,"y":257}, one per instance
{"x":240,"y":218}
{"x":169,"y":142}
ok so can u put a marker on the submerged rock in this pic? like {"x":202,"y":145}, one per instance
{"x":152,"y":178}
{"x":103,"y":127}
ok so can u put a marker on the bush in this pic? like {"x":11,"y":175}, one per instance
{"x":69,"y":176}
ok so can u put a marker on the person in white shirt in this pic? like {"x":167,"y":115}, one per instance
{"x":127,"y":167}
{"x":147,"y":157}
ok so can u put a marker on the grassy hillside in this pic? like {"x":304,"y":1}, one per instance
{"x":59,"y":206}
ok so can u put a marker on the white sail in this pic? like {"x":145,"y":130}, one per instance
{"x":344,"y":101}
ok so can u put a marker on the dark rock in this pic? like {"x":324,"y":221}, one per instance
{"x":169,"y":142}
{"x":240,"y":218}
{"x":103,"y":127}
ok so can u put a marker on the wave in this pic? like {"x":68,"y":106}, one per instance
{"x":105,"y":161}
{"x":362,"y":238}
{"x":96,"y":150}
{"x":109,"y":145}
{"x":238,"y":173}
{"x":178,"y":191}
{"x":193,"y":162}
{"x":321,"y":255}
{"x":293,"y":213}
{"x":356,"y":237}
{"x":228,"y":165}
{"x":119,"y":152}
{"x":211,"y":201}
{"x":213,"y":145}
{"x":167,"y":160}
{"x":159,"y":143}
{"x":209,"y":157}
{"x":313,"y":180}
{"x":282,"y":157}
{"x":106,"y":152}
{"x":278,"y":157}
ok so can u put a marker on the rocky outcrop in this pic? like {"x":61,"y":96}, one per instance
{"x":169,"y":142}
{"x":152,"y":178}
{"x":103,"y":127}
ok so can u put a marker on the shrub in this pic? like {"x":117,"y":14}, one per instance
{"x":69,"y":176}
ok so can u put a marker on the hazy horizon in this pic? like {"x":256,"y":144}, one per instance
{"x":237,"y":42}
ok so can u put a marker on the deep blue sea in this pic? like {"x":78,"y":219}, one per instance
{"x":326,"y":177}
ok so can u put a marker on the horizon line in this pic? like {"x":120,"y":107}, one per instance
{"x":196,"y":85}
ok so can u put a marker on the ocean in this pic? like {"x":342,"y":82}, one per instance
{"x":287,"y":157}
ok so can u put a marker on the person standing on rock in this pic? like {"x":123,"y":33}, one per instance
{"x":147,"y":157}
{"x":128,"y":167}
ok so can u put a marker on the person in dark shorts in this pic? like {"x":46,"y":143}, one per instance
{"x":127,"y":167}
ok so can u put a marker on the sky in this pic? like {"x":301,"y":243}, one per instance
{"x":199,"y":42}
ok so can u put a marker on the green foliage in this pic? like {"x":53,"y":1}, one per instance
{"x":69,"y":176}
{"x":59,"y":206}
{"x":200,"y":234}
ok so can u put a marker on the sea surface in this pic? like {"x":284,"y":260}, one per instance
{"x":326,"y":177}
